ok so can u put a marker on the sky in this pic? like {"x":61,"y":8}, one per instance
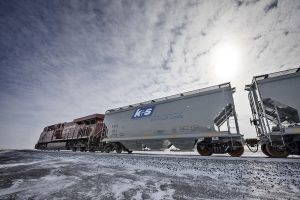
{"x":61,"y":60}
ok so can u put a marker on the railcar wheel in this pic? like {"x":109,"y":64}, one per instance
{"x":107,"y":149}
{"x":236,"y":150}
{"x":277,"y":152}
{"x":204,"y":149}
{"x":264,"y":150}
{"x":92,"y":150}
{"x":82,"y":149}
{"x":119,"y":149}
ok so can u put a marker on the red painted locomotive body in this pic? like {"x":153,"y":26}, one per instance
{"x":80,"y":134}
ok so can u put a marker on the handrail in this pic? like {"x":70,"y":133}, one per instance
{"x":276,"y":74}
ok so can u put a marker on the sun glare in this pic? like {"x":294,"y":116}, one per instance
{"x":226,"y":61}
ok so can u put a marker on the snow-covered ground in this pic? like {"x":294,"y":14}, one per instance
{"x":29,"y":174}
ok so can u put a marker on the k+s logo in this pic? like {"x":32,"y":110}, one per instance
{"x":143,"y":112}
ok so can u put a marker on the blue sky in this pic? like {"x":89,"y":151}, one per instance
{"x":60,"y":60}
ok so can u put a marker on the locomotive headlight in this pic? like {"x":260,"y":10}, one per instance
{"x":226,"y":60}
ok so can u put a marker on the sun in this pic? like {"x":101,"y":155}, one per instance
{"x":226,"y":61}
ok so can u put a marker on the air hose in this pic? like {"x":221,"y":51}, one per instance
{"x":253,"y":148}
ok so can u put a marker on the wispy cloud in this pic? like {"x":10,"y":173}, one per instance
{"x":64,"y":59}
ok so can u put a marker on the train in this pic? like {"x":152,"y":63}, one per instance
{"x":82,"y":134}
{"x":203,"y":119}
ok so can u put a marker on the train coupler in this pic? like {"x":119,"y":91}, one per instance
{"x":252,"y":142}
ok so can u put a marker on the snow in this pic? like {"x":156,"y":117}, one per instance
{"x":145,"y":175}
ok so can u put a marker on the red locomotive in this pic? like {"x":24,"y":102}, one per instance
{"x":81,"y":134}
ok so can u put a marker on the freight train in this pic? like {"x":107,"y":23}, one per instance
{"x":203,"y":119}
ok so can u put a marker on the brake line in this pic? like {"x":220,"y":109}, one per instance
{"x":252,"y":149}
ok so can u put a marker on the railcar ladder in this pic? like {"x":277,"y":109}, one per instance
{"x":277,"y":113}
{"x":224,"y":116}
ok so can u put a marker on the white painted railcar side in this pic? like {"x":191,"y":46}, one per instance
{"x":205,"y":117}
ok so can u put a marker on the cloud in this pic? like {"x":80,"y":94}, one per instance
{"x":62,"y":60}
{"x":272,"y":5}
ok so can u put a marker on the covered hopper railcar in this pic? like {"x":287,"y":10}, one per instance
{"x":204,"y":119}
{"x":275,"y":105}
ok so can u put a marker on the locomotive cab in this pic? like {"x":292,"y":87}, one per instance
{"x":81,"y":134}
